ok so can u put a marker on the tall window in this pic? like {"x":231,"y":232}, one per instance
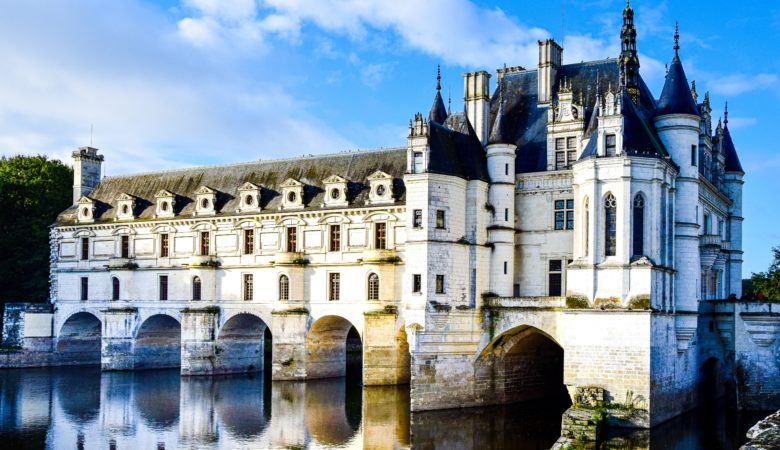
{"x":84,"y":288}
{"x":441,"y":219}
{"x":334,"y":286}
{"x":439,"y":284}
{"x":610,"y":145}
{"x":565,"y":152}
{"x":125,"y":244}
{"x":249,"y":287}
{"x":84,"y":248}
{"x":380,"y":235}
{"x":164,"y":245}
{"x":417,"y":283}
{"x":373,"y":286}
{"x":197,"y":292}
{"x":417,"y":218}
{"x":163,"y":280}
{"x":284,"y":288}
{"x":706,"y":223}
{"x":417,"y":162}
{"x":586,"y":227}
{"x":114,"y":288}
{"x":639,"y":225}
{"x":292,"y":239}
{"x":564,"y":214}
{"x":334,"y":240}
{"x":204,"y":242}
{"x":610,"y":225}
{"x":555,"y":278}
{"x":694,"y":153}
{"x":249,"y":241}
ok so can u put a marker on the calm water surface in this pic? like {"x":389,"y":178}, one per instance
{"x":73,"y":408}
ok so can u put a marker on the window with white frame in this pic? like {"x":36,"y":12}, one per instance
{"x":373,"y":286}
{"x":564,"y":214}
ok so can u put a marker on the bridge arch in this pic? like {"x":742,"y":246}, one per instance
{"x":80,"y":333}
{"x":240,"y":344}
{"x":157,"y":343}
{"x":523,"y":363}
{"x":326,"y":346}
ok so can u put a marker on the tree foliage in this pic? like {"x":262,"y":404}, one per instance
{"x":33,"y":190}
{"x":767,"y":284}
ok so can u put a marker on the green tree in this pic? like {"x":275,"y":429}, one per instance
{"x":768,"y":283}
{"x":33,"y":190}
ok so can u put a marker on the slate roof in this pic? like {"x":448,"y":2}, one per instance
{"x":730,"y":152}
{"x":676,"y":97}
{"x":226,"y":179}
{"x":456,"y":150}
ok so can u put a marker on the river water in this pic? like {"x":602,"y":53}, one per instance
{"x":82,"y":408}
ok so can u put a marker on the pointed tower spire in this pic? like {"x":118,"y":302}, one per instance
{"x":629,"y":59}
{"x":726,"y":116}
{"x":438,"y":112}
{"x":732,"y":163}
{"x":676,"y":97}
{"x":676,"y":38}
{"x":497,"y":132}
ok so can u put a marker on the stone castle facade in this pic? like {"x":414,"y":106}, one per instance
{"x":568,"y":228}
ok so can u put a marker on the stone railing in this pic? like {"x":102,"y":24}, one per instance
{"x":121,"y":263}
{"x":289,"y":258}
{"x":374,"y":255}
{"x":202,"y":261}
{"x":525,"y":302}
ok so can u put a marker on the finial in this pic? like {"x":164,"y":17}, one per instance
{"x":449,"y":101}
{"x":438,"y":77}
{"x":707,"y":98}
{"x":726,"y":115}
{"x":676,"y":37}
{"x":693,"y":92}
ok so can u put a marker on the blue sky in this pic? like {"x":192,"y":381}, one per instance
{"x":173,"y":83}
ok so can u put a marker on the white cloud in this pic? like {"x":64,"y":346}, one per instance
{"x":739,"y":83}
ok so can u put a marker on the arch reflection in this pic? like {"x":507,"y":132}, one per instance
{"x":240,"y":406}
{"x":156,"y":397}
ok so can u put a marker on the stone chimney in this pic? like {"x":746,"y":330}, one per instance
{"x":550,"y":59}
{"x":476,"y":102}
{"x":86,"y":171}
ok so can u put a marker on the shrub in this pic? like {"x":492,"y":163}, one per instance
{"x":639,"y":302}
{"x":577,"y":302}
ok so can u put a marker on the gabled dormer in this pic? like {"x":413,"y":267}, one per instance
{"x":205,"y":201}
{"x":125,"y":207}
{"x":380,"y":188}
{"x":165,"y":201}
{"x":335,"y":191}
{"x":292,"y":194}
{"x":86,"y":209}
{"x":249,"y":197}
{"x":565,"y":128}
{"x":610,"y":123}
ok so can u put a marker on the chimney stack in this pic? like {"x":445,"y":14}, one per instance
{"x":476,"y":102}
{"x":550,"y":59}
{"x":86,"y":171}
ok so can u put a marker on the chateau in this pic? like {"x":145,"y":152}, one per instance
{"x":568,"y":228}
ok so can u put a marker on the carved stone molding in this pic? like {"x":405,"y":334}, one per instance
{"x":762,"y":328}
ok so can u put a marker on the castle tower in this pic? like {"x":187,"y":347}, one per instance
{"x":677,"y":122}
{"x":476,"y":102}
{"x":501,"y":233}
{"x":86,"y":171}
{"x":732,"y":184}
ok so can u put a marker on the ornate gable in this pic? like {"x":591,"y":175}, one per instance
{"x":292,"y":194}
{"x":165,"y":202}
{"x":125,"y":207}
{"x":205,"y":201}
{"x":86,"y":210}
{"x":380,"y":188}
{"x":249,"y":197}
{"x":335,"y":191}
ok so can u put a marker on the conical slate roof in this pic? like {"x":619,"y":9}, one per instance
{"x":498,"y":133}
{"x":676,"y":98}
{"x":730,"y":152}
{"x":438,"y":112}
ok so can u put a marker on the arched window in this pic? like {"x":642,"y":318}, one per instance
{"x":196,"y":289}
{"x":373,"y":287}
{"x":610,"y":225}
{"x":114,"y":288}
{"x":639,"y":225}
{"x":284,"y":288}
{"x":586,"y":226}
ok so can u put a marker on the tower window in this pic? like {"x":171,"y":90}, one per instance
{"x":694,"y":153}
{"x":163,"y":288}
{"x":506,"y":214}
{"x":639,"y":225}
{"x":565,"y":152}
{"x":440,"y":219}
{"x":417,"y":283}
{"x":610,"y":145}
{"x":197,"y":291}
{"x":204,"y":242}
{"x":125,"y":250}
{"x":292,"y":239}
{"x":248,"y":287}
{"x":249,"y":241}
{"x":84,"y":249}
{"x":417,"y":219}
{"x":164,"y":245}
{"x":373,"y":287}
{"x":84,"y":294}
{"x":610,"y":228}
{"x":439,"y":284}
{"x":555,"y":278}
{"x":114,"y":288}
{"x":334,"y":286}
{"x":334,"y":241}
{"x":417,"y":162}
{"x":506,"y":169}
{"x":380,"y":236}
{"x":284,"y":288}
{"x":564,"y":214}
{"x":506,"y":267}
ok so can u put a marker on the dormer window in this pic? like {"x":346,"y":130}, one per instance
{"x":292,"y":194}
{"x":417,"y":162}
{"x":166,"y":200}
{"x":249,"y":195}
{"x":125,"y":207}
{"x":380,"y":188}
{"x":86,"y":210}
{"x":335,"y":191}
{"x":610,"y":145}
{"x":206,"y":199}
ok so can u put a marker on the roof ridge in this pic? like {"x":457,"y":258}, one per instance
{"x":256,"y":161}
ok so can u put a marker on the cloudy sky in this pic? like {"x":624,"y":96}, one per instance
{"x":173,"y":83}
